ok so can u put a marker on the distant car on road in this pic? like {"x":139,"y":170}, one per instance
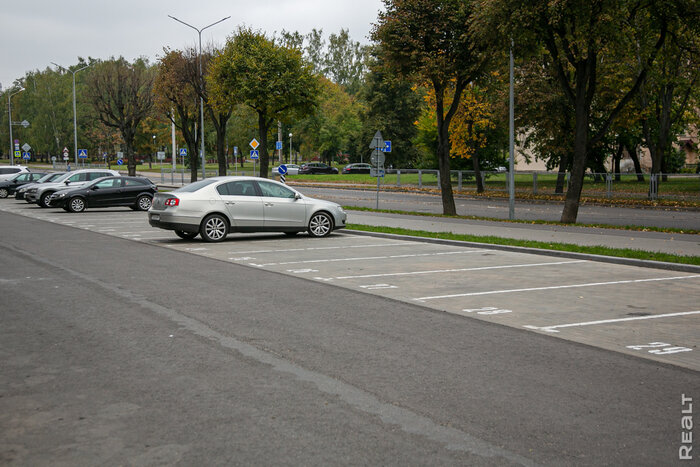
{"x":359,"y":168}
{"x":215,"y":207}
{"x":9,"y":186}
{"x":48,"y":178}
{"x":134,"y":192}
{"x":292,"y":169}
{"x":317,"y":168}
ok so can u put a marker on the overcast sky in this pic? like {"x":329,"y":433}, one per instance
{"x":34,"y":33}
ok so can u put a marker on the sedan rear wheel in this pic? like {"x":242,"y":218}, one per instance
{"x":320,"y":225}
{"x":214,"y":228}
{"x":3,"y":193}
{"x":76,"y":205}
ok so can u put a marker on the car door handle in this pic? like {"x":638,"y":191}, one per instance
{"x":230,"y":202}
{"x":269,"y":204}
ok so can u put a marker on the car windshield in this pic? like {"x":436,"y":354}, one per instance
{"x":63,"y":177}
{"x":195,"y":186}
{"x":50,"y":177}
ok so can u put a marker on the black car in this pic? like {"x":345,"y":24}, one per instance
{"x":134,"y":192}
{"x":357,"y":168}
{"x":317,"y":168}
{"x":8,"y":187}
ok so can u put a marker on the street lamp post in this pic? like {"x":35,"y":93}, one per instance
{"x":290,"y":148}
{"x":9,"y":116}
{"x":155,"y":152}
{"x":75,"y":118}
{"x":201,"y":98}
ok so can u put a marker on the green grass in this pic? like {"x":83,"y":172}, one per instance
{"x":595,"y":250}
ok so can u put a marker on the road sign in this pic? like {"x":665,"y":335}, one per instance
{"x":183,"y":152}
{"x":377,"y":172}
{"x":278,"y":145}
{"x":254,"y":154}
{"x":161,"y":155}
{"x":82,"y":153}
{"x":378,"y":158}
{"x":26,"y":147}
{"x":235,"y":150}
{"x":120,"y":161}
{"x":25,"y":124}
{"x":53,"y":158}
{"x":18,"y":153}
{"x":254,"y":143}
{"x":387,"y":146}
{"x":282,"y":169}
{"x":377,"y":141}
{"x":26,"y":156}
{"x":65,"y":151}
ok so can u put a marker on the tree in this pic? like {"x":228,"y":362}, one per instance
{"x":121,"y":94}
{"x":429,"y":41}
{"x":585,"y":41}
{"x":176,"y":98}
{"x":272,"y":80}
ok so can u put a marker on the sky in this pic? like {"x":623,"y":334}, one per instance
{"x":34,"y":33}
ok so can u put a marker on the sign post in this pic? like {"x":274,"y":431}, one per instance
{"x":377,"y":145}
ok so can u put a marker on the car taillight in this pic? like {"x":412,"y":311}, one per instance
{"x":172,"y":202}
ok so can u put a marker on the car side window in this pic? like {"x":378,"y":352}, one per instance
{"x":23,"y":177}
{"x":132,"y":182}
{"x":96,"y":175}
{"x":273,"y":190}
{"x":238,"y":188}
{"x":77,"y":178}
{"x":109,"y":183}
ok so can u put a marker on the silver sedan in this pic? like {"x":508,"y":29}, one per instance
{"x":217,"y":206}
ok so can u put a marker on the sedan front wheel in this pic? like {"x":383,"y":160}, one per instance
{"x":320,"y":225}
{"x":3,"y":193}
{"x":76,"y":205}
{"x":214,"y":228}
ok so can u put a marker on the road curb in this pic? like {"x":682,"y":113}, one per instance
{"x":538,"y":251}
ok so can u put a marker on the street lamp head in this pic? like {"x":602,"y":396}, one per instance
{"x":290,"y":135}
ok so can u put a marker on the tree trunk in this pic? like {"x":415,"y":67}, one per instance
{"x":637,"y":165}
{"x":443,"y":155}
{"x":616,"y":162}
{"x":561,"y":175}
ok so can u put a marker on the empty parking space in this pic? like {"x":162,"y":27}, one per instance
{"x":650,"y":313}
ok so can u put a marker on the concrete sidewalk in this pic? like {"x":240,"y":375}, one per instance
{"x":678,"y":244}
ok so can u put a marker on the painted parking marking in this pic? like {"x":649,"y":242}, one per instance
{"x":378,"y":286}
{"x":301,"y":271}
{"x":660,"y":348}
{"x":555,"y":328}
{"x":340,"y":247}
{"x":441,"y":271}
{"x":487,"y":310}
{"x":365,"y":258}
{"x":556,"y":287}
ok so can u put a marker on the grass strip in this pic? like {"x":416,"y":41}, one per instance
{"x":595,"y":250}
{"x":636,"y":228}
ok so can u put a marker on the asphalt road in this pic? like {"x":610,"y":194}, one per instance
{"x":122,"y":352}
{"x":499,"y":209}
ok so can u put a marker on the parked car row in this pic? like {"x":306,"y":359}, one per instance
{"x":81,"y":189}
{"x":211,"y":208}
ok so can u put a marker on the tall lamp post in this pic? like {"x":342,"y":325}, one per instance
{"x":290,"y":148}
{"x":201,"y":98}
{"x":75,"y":118}
{"x":9,"y":116}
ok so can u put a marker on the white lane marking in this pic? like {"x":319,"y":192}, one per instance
{"x":607,"y":321}
{"x":439,"y":271}
{"x":378,"y":286}
{"x":343,"y":247}
{"x":554,"y":287}
{"x":364,"y":258}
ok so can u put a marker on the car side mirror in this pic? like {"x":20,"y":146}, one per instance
{"x":297,"y":196}
{"x":95,"y":187}
{"x":66,"y":182}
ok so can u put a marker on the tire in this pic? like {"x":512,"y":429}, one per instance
{"x":76,"y":204}
{"x":143,"y":203}
{"x":214,"y":228}
{"x":44,"y":200}
{"x":186,"y":235}
{"x":4,"y":193}
{"x":320,"y":225}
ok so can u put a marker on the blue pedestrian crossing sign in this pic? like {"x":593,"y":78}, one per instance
{"x":278,"y":145}
{"x":183,"y":152}
{"x":82,"y":153}
{"x":387,"y":146}
{"x":254,"y":154}
{"x":26,"y":156}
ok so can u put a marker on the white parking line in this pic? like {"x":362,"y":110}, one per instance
{"x":607,"y":321}
{"x":440,"y":271}
{"x":364,"y":258}
{"x":554,"y":287}
{"x":342,"y":247}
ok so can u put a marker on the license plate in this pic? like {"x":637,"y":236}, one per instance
{"x":155,"y":217}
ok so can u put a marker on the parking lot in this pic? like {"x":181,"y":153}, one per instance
{"x":645,"y":312}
